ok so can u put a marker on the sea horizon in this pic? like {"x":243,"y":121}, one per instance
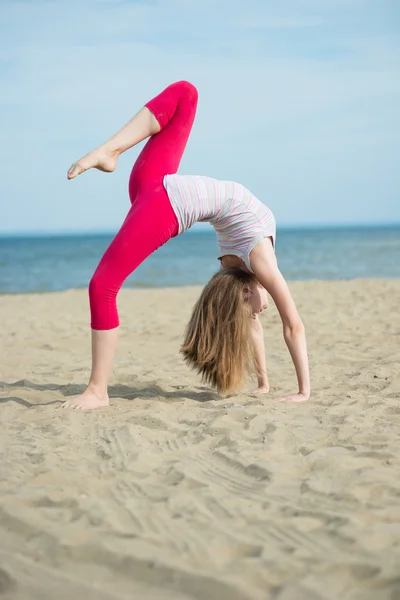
{"x":54,"y":261}
{"x":203,"y":228}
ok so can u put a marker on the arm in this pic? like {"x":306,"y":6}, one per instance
{"x":264,"y":265}
{"x":257,"y":336}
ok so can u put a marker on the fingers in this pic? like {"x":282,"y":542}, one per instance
{"x":293,"y":398}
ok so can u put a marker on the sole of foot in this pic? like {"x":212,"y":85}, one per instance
{"x":98,"y":159}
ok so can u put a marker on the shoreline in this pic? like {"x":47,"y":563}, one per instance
{"x":125,"y":288}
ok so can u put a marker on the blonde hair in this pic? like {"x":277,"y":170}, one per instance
{"x":217,"y":340}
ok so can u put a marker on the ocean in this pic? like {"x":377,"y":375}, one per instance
{"x":59,"y":262}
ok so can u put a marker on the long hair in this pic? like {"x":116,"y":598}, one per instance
{"x":217,"y":339}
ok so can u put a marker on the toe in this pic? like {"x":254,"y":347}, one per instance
{"x":74,"y":170}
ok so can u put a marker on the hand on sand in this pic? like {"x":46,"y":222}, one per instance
{"x":295,"y":398}
{"x":87,"y":401}
{"x":97,"y":159}
{"x":262,"y":389}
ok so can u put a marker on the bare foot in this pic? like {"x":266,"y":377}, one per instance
{"x":104,"y":160}
{"x":87,"y":401}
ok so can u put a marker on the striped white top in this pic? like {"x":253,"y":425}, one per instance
{"x":239,"y":218}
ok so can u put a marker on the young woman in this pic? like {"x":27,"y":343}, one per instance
{"x":164,"y":205}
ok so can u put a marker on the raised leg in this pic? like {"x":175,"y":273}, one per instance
{"x":173,"y":112}
{"x":105,"y":157}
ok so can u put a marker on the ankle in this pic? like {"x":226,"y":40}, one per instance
{"x":111,"y":150}
{"x":98,"y":390}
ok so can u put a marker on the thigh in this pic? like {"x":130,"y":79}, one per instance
{"x":149,"y":223}
{"x":175,"y":109}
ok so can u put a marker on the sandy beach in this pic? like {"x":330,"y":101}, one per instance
{"x":175,"y":493}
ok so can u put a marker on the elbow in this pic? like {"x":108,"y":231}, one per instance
{"x":291,"y":330}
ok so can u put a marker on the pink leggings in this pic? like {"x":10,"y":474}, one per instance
{"x":151,"y":220}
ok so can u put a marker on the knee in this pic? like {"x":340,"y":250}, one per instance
{"x":103,"y":305}
{"x":101,"y":290}
{"x":96,"y":287}
{"x":188,"y":90}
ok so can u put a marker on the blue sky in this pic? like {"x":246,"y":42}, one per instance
{"x":299,"y":101}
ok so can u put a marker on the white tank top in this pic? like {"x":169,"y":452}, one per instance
{"x":239,"y":218}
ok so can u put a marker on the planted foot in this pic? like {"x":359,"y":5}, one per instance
{"x":87,"y":401}
{"x":104,"y":160}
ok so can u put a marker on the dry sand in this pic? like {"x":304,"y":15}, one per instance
{"x":174,"y":493}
